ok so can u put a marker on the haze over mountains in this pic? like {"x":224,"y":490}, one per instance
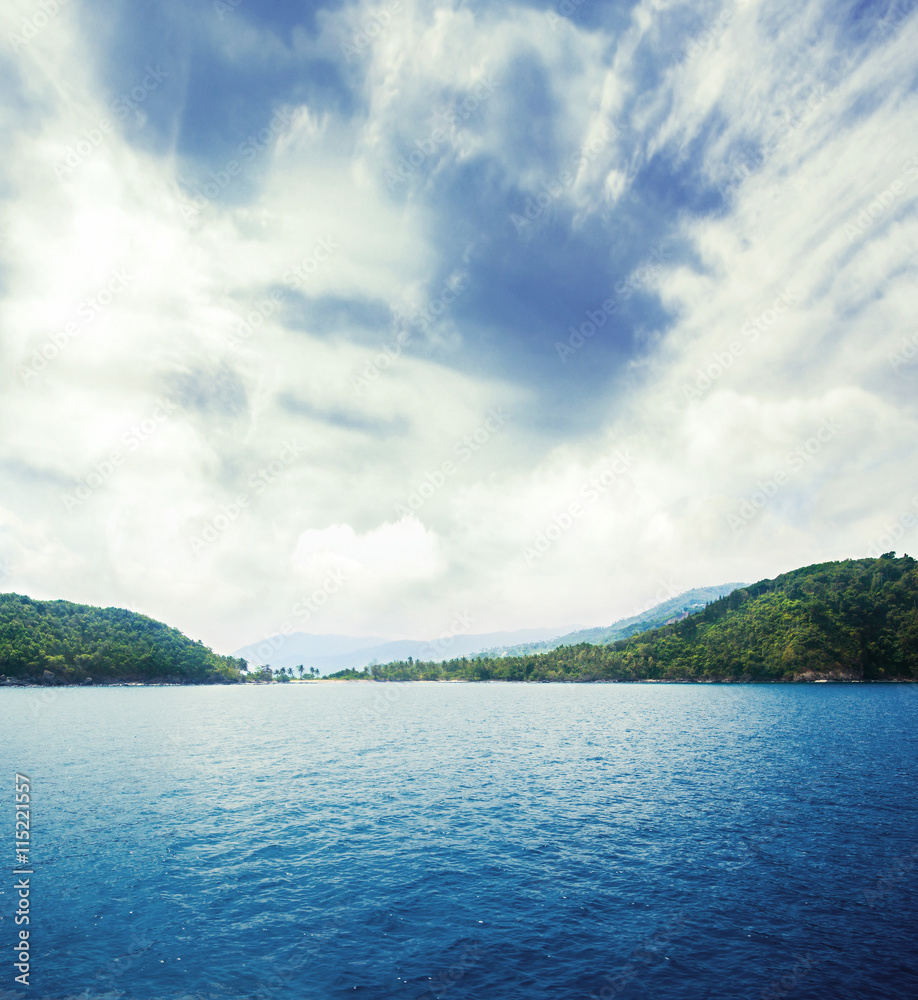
{"x":674,"y":609}
{"x":850,"y":621}
{"x":329,"y":653}
{"x":854,"y":620}
{"x":342,"y":652}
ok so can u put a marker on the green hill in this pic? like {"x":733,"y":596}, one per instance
{"x":77,"y":641}
{"x":689,"y":603}
{"x":851,"y":620}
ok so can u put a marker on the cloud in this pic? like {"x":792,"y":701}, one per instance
{"x":256,"y":330}
{"x":391,"y":553}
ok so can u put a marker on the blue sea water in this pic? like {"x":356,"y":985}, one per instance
{"x":466,"y":841}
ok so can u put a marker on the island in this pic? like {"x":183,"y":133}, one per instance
{"x":851,"y":620}
{"x":59,"y":642}
{"x":854,"y":620}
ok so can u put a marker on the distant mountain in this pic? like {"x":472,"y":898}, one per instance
{"x":304,"y":647}
{"x":57,"y":642}
{"x":331,"y":653}
{"x":339,"y":652}
{"x":689,"y":603}
{"x":855,"y":620}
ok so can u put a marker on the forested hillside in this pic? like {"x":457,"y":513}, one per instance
{"x":689,"y":603}
{"x":852,"y":620}
{"x":77,"y":641}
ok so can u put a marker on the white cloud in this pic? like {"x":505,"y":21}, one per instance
{"x":391,"y":553}
{"x":274,"y":417}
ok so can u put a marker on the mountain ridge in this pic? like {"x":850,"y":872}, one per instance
{"x":298,"y":648}
{"x":689,"y":602}
{"x":305,"y":647}
{"x":855,"y":619}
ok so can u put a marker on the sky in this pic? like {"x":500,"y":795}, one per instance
{"x":407,"y":318}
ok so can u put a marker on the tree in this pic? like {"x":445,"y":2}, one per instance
{"x":75,"y":641}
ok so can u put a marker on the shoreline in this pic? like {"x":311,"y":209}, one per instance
{"x":346,"y":680}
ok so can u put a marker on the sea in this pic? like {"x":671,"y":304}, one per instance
{"x":491,"y":841}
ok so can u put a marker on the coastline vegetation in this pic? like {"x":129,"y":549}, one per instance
{"x":58,"y":642}
{"x":855,"y":620}
{"x":851,"y":620}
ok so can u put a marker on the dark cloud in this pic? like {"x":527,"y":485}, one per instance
{"x":328,"y":315}
{"x":342,"y":419}
{"x":214,"y":392}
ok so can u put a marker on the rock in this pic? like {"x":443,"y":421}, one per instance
{"x":87,"y":680}
{"x":48,"y":677}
